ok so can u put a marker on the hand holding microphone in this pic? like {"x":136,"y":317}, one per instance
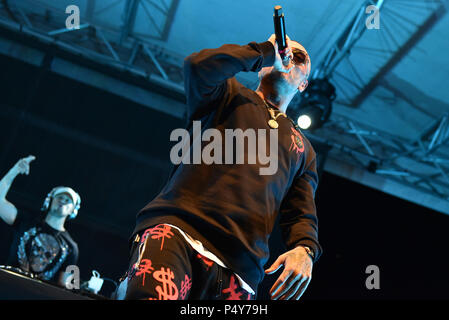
{"x":280,"y":42}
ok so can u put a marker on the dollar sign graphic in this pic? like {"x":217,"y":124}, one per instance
{"x":169,"y":290}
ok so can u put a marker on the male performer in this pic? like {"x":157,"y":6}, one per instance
{"x":205,"y":236}
{"x":42,"y":246}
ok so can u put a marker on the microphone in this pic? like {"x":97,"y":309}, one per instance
{"x":279,"y":31}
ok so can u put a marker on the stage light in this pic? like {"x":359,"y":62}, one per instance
{"x":304,"y":121}
{"x":315,"y":106}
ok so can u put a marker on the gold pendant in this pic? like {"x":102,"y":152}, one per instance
{"x":273,"y":124}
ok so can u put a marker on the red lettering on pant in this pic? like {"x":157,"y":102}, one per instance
{"x":233,"y":294}
{"x":144,"y":268}
{"x":206,"y":261}
{"x":186,"y":285}
{"x":161,"y":231}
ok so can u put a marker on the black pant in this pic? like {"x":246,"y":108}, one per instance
{"x":165,"y":267}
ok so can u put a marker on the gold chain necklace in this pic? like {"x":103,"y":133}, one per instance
{"x":272,"y":122}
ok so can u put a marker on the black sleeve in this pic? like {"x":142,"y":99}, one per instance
{"x":206,"y":72}
{"x":298,"y":218}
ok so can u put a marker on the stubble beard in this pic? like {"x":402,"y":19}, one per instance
{"x":279,"y":86}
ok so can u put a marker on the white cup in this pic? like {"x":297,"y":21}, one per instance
{"x":95,"y":282}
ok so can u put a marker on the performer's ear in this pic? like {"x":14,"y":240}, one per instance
{"x":303,"y":85}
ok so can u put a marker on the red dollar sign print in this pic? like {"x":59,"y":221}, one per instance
{"x":169,"y":290}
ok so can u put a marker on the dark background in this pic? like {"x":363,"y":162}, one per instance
{"x":115,"y":154}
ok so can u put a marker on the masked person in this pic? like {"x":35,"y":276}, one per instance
{"x":205,"y":236}
{"x":42,"y":247}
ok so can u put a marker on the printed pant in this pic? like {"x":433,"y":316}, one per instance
{"x":170,"y":269}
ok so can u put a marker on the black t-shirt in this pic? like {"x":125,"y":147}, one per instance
{"x":39,"y":249}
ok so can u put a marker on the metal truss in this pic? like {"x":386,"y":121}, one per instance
{"x":123,"y":49}
{"x":345,"y":42}
{"x":357,"y":43}
{"x":422,"y":164}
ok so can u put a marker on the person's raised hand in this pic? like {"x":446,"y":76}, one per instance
{"x":23,"y":165}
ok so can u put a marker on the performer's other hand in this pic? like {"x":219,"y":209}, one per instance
{"x":295,"y":277}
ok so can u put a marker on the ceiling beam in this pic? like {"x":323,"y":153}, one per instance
{"x":129,"y":18}
{"x":388,"y":185}
{"x":430,"y":22}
